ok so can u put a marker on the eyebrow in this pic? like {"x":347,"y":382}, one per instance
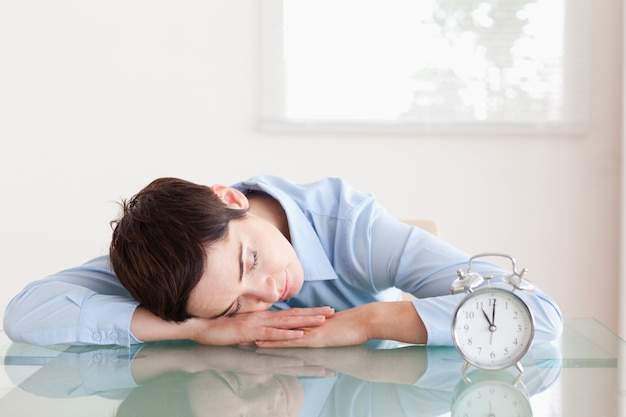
{"x":223,"y":313}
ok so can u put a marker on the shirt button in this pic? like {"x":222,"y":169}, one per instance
{"x":96,"y":336}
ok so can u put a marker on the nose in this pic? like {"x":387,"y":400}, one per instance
{"x":265,"y":290}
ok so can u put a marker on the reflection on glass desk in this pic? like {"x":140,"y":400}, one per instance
{"x":577,"y":376}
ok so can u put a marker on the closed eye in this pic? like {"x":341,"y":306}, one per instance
{"x":236,"y":306}
{"x":236,"y":310}
{"x":255,"y":260}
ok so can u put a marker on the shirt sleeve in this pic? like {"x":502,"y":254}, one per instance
{"x":417,"y":262}
{"x":78,"y":306}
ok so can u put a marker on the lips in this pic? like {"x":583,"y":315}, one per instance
{"x":283,"y":296}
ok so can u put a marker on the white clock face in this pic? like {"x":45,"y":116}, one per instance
{"x":493,"y":328}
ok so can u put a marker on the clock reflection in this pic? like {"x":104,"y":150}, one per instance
{"x":186,"y":379}
{"x":491,"y":393}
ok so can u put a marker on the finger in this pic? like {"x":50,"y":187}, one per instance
{"x":311,"y":311}
{"x":282,"y":322}
{"x":270,"y":333}
{"x":297,"y":322}
{"x":275,"y":344}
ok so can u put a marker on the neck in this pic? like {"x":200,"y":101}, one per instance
{"x":268,"y":208}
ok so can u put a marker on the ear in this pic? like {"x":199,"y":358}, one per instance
{"x":234,"y":199}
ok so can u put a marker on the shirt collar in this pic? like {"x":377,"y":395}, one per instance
{"x":304,"y":239}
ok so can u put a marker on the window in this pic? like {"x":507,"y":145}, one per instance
{"x":425,"y":64}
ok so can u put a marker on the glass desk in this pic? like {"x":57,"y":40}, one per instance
{"x":581,"y":375}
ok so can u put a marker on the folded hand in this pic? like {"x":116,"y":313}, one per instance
{"x":247,"y":328}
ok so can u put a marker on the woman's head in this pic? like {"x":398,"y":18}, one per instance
{"x":158,"y":245}
{"x":184,"y":250}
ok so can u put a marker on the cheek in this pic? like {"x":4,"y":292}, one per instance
{"x":195,"y":306}
{"x":205,"y":300}
{"x":282,"y":252}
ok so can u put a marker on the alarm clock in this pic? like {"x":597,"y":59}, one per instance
{"x":492,"y":328}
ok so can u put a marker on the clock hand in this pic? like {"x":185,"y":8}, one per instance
{"x":492,"y":323}
{"x":492,"y":327}
{"x":487,"y":317}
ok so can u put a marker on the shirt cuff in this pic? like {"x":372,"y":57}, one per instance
{"x":105,"y":320}
{"x":436,"y":314}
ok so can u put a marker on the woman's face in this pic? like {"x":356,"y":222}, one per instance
{"x":253,"y":267}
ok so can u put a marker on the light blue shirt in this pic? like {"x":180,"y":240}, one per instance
{"x":352,"y":252}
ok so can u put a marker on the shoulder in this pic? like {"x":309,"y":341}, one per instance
{"x":330,"y":195}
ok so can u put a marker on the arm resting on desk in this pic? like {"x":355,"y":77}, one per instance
{"x":80,"y":306}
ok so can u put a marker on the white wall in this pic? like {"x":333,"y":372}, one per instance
{"x":97,"y":98}
{"x":622,"y":223}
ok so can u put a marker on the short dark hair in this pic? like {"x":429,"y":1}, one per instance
{"x":158,"y":248}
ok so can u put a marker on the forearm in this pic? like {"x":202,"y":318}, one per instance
{"x":394,"y":321}
{"x":78,"y":306}
{"x":147,"y":327}
{"x":50,"y":313}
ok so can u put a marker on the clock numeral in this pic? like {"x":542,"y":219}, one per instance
{"x":469,"y":314}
